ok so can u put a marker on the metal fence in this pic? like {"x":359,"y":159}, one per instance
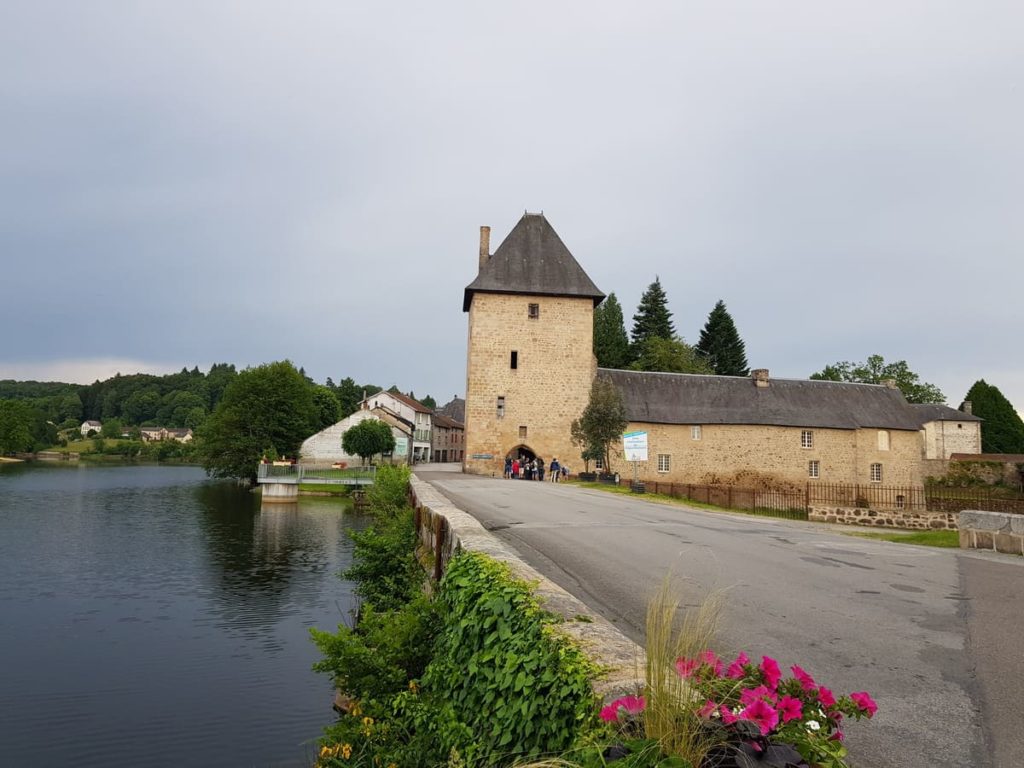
{"x":913,"y":498}
{"x":788,"y":504}
{"x":794,"y":504}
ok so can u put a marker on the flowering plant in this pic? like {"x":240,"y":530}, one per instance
{"x":765,"y":717}
{"x":756,"y":717}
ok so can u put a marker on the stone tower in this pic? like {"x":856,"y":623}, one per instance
{"x":530,"y":359}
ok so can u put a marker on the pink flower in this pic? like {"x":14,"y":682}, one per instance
{"x":749,"y":695}
{"x":727,"y":716}
{"x":770,"y":670}
{"x":712,"y":660}
{"x":790,"y":708}
{"x":686,"y":667}
{"x":806,"y":681}
{"x":825,"y":697}
{"x":865,"y":702}
{"x":763,"y":714}
{"x":707,"y":709}
{"x":633,"y":705}
{"x":735,"y":670}
{"x":837,"y":736}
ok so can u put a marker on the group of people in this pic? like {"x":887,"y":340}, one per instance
{"x":522,"y":468}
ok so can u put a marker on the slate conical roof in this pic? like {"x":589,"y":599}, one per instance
{"x":533,"y":260}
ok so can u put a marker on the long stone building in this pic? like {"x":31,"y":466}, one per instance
{"x":530,"y":366}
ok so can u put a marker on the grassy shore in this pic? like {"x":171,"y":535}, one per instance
{"x":950,"y":539}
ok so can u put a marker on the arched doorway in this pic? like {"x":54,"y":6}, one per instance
{"x":524,"y":454}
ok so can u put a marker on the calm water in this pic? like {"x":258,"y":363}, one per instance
{"x":150,"y":617}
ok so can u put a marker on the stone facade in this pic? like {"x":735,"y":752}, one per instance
{"x":885,"y":518}
{"x":546,"y":390}
{"x":758,"y":456}
{"x":944,"y":438}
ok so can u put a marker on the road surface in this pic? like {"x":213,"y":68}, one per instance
{"x":936,"y":636}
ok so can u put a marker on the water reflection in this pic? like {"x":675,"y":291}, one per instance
{"x":159,"y":618}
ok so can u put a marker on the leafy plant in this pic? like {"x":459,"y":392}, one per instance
{"x":384,"y":567}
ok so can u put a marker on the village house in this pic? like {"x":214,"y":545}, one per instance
{"x":155,"y":434}
{"x":447,"y":439}
{"x":409,"y":410}
{"x":91,"y":425}
{"x":325,"y":447}
{"x":530,"y":366}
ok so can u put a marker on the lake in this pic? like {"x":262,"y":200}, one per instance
{"x":152,"y":617}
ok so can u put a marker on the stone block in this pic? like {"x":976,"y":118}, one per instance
{"x":1017,"y":524}
{"x":1009,"y":543}
{"x":984,"y":540}
{"x":983,"y":521}
{"x":966,"y":539}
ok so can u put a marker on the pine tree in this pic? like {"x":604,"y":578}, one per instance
{"x":1002,"y":430}
{"x":652,"y":318}
{"x":721,"y":345}
{"x":611,"y":344}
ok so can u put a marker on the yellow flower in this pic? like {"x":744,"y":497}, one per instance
{"x":392,"y":765}
{"x":354,"y":710}
{"x":325,"y":751}
{"x":367,"y":721}
{"x":414,"y":686}
{"x":346,"y":751}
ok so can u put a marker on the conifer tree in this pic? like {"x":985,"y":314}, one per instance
{"x":1002,"y":430}
{"x":720,"y":344}
{"x":652,"y":318}
{"x":611,"y":344}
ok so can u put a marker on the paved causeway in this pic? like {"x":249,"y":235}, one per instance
{"x":936,"y":636}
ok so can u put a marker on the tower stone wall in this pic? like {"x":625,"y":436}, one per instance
{"x":546,"y":390}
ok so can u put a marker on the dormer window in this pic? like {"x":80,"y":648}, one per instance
{"x":533,"y":311}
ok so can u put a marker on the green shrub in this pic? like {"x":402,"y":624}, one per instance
{"x":389,"y":493}
{"x":384,"y":567}
{"x":518,"y":687}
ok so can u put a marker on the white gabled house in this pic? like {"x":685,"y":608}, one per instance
{"x":411,"y":411}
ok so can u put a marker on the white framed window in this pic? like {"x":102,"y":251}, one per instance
{"x":599,"y":463}
{"x":806,"y":438}
{"x":664,"y":462}
{"x":501,"y":407}
{"x":814,"y":469}
{"x":883,"y":440}
{"x":695,"y":432}
{"x":876,"y":473}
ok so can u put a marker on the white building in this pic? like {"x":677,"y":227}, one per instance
{"x":325,"y":446}
{"x":408,"y":410}
{"x":91,"y":425}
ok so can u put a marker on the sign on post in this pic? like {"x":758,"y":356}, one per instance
{"x":634,"y":445}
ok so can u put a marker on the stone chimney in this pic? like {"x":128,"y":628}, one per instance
{"x":760,"y":377}
{"x":966,"y":407}
{"x":485,"y":245}
{"x":889,"y":383}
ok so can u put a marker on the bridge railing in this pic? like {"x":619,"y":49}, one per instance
{"x":300,"y":473}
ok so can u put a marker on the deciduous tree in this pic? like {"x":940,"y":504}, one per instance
{"x":720,"y":344}
{"x":669,"y":356}
{"x":263,"y":408}
{"x":367,"y":439}
{"x":328,"y":409}
{"x":875,"y":370}
{"x":602,"y":421}
{"x":611,"y":344}
{"x":16,"y":424}
{"x":1002,"y":430}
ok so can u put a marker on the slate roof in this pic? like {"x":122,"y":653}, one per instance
{"x":532,"y":260}
{"x":679,"y":398}
{"x":933,"y":412}
{"x":416,"y":405}
{"x":446,"y":422}
{"x":454,"y":409}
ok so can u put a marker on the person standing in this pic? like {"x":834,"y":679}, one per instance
{"x":508,"y":467}
{"x":554,"y":468}
{"x":540,"y":469}
{"x":515,"y":469}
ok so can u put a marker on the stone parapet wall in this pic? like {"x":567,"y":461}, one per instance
{"x":997,"y":531}
{"x":885,"y":518}
{"x":444,"y":529}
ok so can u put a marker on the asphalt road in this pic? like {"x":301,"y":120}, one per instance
{"x":936,"y":636}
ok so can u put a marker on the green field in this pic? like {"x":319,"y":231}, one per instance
{"x":86,"y":445}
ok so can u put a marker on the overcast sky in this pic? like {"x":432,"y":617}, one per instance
{"x":183,"y":183}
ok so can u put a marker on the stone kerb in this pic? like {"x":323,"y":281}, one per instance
{"x":997,"y":531}
{"x":622,"y":660}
